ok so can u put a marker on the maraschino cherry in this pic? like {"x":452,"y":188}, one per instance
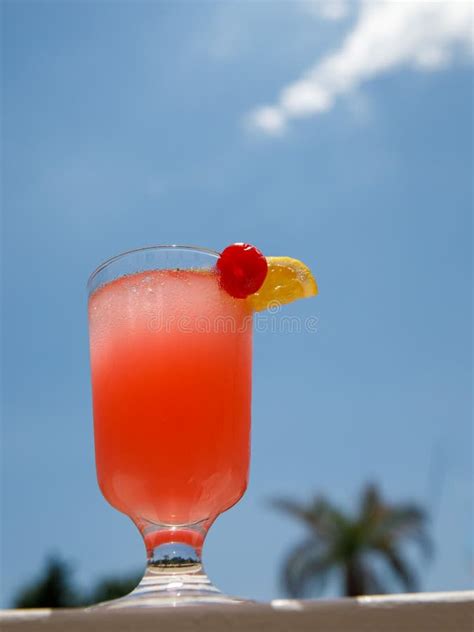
{"x":242,"y":269}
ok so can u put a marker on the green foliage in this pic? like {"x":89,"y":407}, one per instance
{"x":111,"y":588}
{"x":176,"y":561}
{"x":350,"y":545}
{"x":55,"y":589}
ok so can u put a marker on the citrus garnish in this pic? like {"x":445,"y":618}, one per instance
{"x":265,"y":282}
{"x":287,"y":280}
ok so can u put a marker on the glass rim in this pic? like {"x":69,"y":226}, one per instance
{"x":121,"y":255}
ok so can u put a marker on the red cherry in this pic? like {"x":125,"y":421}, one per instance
{"x":242,"y":270}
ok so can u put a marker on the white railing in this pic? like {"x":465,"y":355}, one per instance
{"x":421,"y":612}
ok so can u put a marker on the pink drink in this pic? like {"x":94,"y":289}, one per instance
{"x":171,"y":374}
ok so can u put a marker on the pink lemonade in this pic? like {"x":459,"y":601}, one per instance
{"x":171,"y":376}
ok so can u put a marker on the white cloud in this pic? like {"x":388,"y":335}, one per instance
{"x":422,"y":34}
{"x":269,"y":120}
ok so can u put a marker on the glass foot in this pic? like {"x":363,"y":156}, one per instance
{"x":175,"y":578}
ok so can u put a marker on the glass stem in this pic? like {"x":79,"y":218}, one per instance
{"x":174,"y":568}
{"x":174,"y":546}
{"x":174,"y":573}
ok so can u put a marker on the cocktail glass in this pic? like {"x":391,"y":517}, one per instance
{"x":171,"y":359}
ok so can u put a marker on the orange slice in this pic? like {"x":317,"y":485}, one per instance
{"x":287,"y":280}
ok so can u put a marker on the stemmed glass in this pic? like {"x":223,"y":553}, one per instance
{"x":171,"y":356}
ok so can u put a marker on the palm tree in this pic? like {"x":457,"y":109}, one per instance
{"x":353,"y":546}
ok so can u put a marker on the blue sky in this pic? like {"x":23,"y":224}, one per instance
{"x":127,"y":124}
